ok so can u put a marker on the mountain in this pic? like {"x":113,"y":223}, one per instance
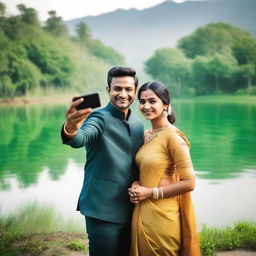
{"x":137,"y":33}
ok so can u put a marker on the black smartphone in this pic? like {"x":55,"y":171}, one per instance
{"x":91,"y":100}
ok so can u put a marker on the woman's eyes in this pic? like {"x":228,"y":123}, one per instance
{"x":150,"y":101}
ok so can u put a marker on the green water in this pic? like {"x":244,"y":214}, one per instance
{"x":34,"y":165}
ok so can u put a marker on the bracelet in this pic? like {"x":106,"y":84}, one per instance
{"x":155,"y":193}
{"x":68,"y":133}
{"x":162,"y":192}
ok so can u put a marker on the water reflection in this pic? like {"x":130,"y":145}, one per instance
{"x":214,"y":200}
{"x":35,"y":165}
{"x":223,"y":139}
{"x":30,"y":141}
{"x":61,"y":194}
{"x":225,"y":202}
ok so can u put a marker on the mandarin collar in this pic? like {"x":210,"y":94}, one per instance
{"x":116,"y":112}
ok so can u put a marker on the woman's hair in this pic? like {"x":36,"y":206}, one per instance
{"x":162,"y":92}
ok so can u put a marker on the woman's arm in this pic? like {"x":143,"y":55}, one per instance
{"x":178,"y":148}
{"x":140,"y":193}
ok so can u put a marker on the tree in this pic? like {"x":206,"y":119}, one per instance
{"x":223,"y":59}
{"x":170,"y":66}
{"x":83,"y":32}
{"x":107,"y":53}
{"x":33,"y":56}
{"x":207,"y":41}
{"x":2,"y":9}
{"x":28,"y":15}
{"x":27,"y":76}
{"x":248,"y":72}
{"x":55,"y":25}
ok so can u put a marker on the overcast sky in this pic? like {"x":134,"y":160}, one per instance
{"x":70,"y":9}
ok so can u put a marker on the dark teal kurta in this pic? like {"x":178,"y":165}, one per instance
{"x":111,"y":143}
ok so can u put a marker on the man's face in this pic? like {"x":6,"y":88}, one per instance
{"x":122,"y":92}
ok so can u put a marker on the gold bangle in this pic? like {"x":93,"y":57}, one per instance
{"x":68,"y":133}
{"x":162,"y":192}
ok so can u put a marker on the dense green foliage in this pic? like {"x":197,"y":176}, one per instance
{"x":38,"y":58}
{"x":217,"y":58}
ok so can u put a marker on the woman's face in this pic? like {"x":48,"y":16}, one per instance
{"x":151,"y":106}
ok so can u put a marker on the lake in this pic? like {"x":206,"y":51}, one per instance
{"x":35,"y":165}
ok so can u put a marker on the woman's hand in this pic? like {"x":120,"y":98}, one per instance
{"x":135,"y":184}
{"x":139,"y":193}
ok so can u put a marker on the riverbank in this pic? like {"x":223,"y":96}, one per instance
{"x":45,"y":99}
{"x":65,"y":98}
{"x":237,"y":253}
{"x":66,"y":244}
{"x":19,"y":236}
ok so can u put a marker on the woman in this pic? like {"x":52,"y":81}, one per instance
{"x":163,"y":222}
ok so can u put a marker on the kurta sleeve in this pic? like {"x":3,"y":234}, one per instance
{"x":88,"y":132}
{"x":179,"y":150}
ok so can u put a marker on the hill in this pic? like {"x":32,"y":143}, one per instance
{"x":137,"y":33}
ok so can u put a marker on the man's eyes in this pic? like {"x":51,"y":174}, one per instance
{"x":118,"y":89}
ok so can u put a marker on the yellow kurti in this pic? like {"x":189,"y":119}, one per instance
{"x":164,"y":227}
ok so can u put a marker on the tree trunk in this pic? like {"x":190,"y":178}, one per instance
{"x":217,"y":86}
{"x":249,"y":83}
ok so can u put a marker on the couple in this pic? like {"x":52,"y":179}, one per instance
{"x":126,"y":167}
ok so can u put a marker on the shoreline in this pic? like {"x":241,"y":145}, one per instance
{"x":236,"y":253}
{"x":66,"y":98}
{"x":34,"y":100}
{"x":44,"y":230}
{"x":71,"y":244}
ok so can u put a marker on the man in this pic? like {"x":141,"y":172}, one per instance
{"x":111,"y":135}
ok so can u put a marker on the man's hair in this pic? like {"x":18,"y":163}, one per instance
{"x":122,"y":71}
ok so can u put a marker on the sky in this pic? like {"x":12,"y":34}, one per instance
{"x":70,"y":9}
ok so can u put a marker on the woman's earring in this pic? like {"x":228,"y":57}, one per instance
{"x":169,"y":110}
{"x":165,"y":112}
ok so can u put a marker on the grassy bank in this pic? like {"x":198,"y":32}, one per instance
{"x":38,"y":230}
{"x":52,"y":98}
{"x":242,"y":235}
{"x":229,"y":99}
{"x":65,"y":98}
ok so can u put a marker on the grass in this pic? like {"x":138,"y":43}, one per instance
{"x":241,"y":236}
{"x":35,"y":218}
{"x":37,"y":230}
{"x":77,"y":245}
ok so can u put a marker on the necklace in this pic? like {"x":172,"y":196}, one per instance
{"x":152,"y":133}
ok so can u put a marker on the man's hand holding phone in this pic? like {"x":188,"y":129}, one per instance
{"x":78,"y":112}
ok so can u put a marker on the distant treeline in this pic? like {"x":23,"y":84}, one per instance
{"x":217,"y":58}
{"x":36,"y":57}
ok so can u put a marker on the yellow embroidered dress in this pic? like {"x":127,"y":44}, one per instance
{"x":164,"y":227}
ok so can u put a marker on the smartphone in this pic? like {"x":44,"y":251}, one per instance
{"x":91,"y":100}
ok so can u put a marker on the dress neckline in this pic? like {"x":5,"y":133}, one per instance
{"x":159,"y":133}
